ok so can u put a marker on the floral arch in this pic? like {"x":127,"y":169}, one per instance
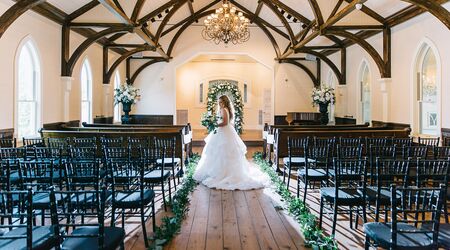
{"x":223,"y":87}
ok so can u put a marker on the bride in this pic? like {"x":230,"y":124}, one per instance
{"x":223,"y":164}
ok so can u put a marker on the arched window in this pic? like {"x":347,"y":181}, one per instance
{"x":331,"y":82}
{"x":427,"y":92}
{"x":117,"y":113}
{"x":364,"y":79}
{"x":86,"y":92}
{"x":28,"y":91}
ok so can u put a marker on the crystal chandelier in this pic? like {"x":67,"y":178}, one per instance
{"x":226,"y":25}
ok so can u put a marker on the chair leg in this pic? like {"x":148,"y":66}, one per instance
{"x":445,"y":212}
{"x":144,"y":229}
{"x":170,"y":193}
{"x":163,"y":196}
{"x":335,"y":207}
{"x":175,"y":183}
{"x":123,"y":218}
{"x":367,"y":243}
{"x":284,"y":174}
{"x":304,"y":191}
{"x":351,"y":217}
{"x":113,"y":216}
{"x":288,"y":178}
{"x":321,"y":212}
{"x":153,"y":216}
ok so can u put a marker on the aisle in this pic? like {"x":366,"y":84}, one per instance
{"x":220,"y":219}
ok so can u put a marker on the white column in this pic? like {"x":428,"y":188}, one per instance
{"x":341,"y":101}
{"x":385,"y":85}
{"x":106,"y":100}
{"x":67,"y":87}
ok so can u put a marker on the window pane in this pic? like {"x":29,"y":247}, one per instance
{"x":116,"y":107}
{"x":25,"y":75}
{"x":84,"y":83}
{"x":85,"y":112}
{"x":26,"y":119}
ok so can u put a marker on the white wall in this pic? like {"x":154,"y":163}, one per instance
{"x":47,"y":38}
{"x":406,"y":40}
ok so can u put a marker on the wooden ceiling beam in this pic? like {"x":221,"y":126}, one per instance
{"x":258,"y":8}
{"x":282,"y":19}
{"x":393,"y":20}
{"x":356,"y":27}
{"x":173,"y":27}
{"x":144,"y":66}
{"x":137,"y":10}
{"x":264,"y":22}
{"x":108,"y":73}
{"x":99,"y":25}
{"x":15,"y":11}
{"x":311,"y":75}
{"x":116,"y":11}
{"x":158,"y":10}
{"x":317,"y":12}
{"x":85,"y":8}
{"x":319,"y":31}
{"x":291,"y":11}
{"x":167,"y":18}
{"x":191,"y":7}
{"x":434,"y":8}
{"x":336,"y":8}
{"x":368,"y":11}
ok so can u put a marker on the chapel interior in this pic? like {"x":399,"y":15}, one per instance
{"x":105,"y":106}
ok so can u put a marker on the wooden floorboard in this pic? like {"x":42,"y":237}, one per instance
{"x":230,"y":222}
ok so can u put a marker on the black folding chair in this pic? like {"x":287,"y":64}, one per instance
{"x":349,"y":190}
{"x":18,"y":232}
{"x":414,"y":220}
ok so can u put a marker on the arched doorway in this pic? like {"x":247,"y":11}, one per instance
{"x":365,"y":95}
{"x":426,"y":108}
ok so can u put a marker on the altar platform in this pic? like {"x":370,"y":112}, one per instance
{"x":251,"y":138}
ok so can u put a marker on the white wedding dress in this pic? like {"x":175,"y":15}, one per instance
{"x":223,"y":164}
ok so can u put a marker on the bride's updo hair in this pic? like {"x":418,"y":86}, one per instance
{"x":227,"y":104}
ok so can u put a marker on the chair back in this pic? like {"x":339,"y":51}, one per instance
{"x":12,"y":154}
{"x":84,"y":142}
{"x":376,"y":141}
{"x":5,"y":175}
{"x":419,"y":207}
{"x":401,"y":141}
{"x":38,"y":175}
{"x":111,"y":142}
{"x":83,"y":175}
{"x":168,"y":144}
{"x":47,"y":153}
{"x":8,"y":143}
{"x":350,"y":173}
{"x":432,"y":173}
{"x":415,"y":152}
{"x":30,"y":142}
{"x":89,"y":205}
{"x":120,"y":154}
{"x":389,"y":172}
{"x":135,"y":144}
{"x":16,"y":213}
{"x":297,"y":146}
{"x":442,"y":153}
{"x":345,"y":142}
{"x":82,"y":154}
{"x":349,"y":152}
{"x":429,"y":141}
{"x":126,"y":176}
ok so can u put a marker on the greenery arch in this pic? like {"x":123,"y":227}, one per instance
{"x":223,"y":87}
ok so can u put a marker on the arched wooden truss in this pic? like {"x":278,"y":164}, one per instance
{"x":298,"y":43}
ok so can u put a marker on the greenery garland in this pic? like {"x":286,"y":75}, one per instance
{"x":314,"y":237}
{"x":233,"y":92}
{"x":171,"y":225}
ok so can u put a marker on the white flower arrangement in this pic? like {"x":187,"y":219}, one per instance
{"x":126,"y":94}
{"x":323,"y":95}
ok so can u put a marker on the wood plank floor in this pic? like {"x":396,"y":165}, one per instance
{"x":245,"y":220}
{"x":221,"y":219}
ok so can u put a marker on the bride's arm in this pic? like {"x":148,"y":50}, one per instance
{"x":224,"y":119}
